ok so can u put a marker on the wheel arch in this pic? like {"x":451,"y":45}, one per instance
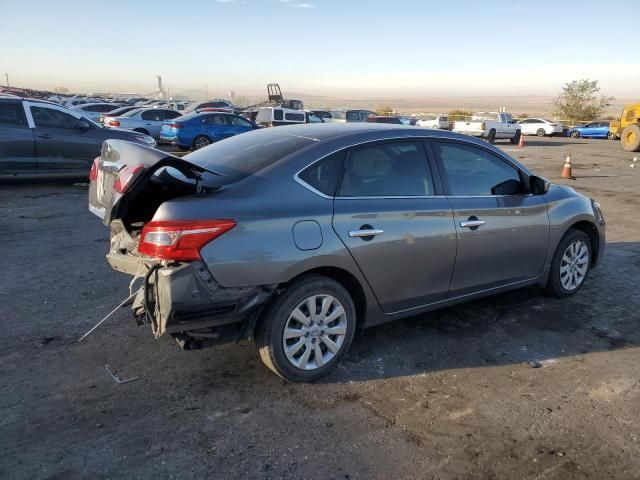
{"x":350,"y":283}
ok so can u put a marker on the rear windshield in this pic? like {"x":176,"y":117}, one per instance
{"x":243,"y":155}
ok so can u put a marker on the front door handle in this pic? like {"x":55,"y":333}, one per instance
{"x":472,"y":223}
{"x":369,"y":232}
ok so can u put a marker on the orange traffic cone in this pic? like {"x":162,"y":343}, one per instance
{"x":566,"y":170}
{"x":521,"y":142}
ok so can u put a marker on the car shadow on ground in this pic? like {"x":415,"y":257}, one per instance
{"x":522,"y":326}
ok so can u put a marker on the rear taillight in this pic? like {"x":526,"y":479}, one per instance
{"x":93,"y":173}
{"x":175,"y":125}
{"x":125,"y":176}
{"x":180,"y":240}
{"x":114,"y":123}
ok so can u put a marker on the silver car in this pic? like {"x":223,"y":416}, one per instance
{"x":144,"y":120}
{"x":296,"y":236}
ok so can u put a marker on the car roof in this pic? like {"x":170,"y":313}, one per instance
{"x":327,"y":131}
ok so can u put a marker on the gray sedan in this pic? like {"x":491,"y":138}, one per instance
{"x":144,"y":120}
{"x":40,"y":137}
{"x":296,"y":236}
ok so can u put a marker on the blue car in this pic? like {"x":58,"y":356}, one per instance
{"x":197,"y":130}
{"x":591,"y":130}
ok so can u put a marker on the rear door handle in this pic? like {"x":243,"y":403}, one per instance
{"x":370,"y":232}
{"x":472,"y":223}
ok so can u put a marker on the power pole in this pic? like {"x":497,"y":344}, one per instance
{"x":6,"y":75}
{"x":206,"y":91}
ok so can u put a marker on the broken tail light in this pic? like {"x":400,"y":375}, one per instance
{"x":125,"y":176}
{"x":180,"y":240}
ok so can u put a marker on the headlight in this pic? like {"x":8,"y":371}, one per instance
{"x":597,"y":211}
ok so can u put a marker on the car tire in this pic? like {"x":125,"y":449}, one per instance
{"x":541,"y":132}
{"x":200,"y":141}
{"x":141,"y":130}
{"x":301,"y":364}
{"x":575,"y":134}
{"x":570,"y":259}
{"x":612,"y":136}
{"x":491,"y":138}
{"x":516,"y":138}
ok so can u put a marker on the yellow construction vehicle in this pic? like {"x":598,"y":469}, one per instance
{"x":628,"y":128}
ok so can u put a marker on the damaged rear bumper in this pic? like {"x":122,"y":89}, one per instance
{"x":184,"y":300}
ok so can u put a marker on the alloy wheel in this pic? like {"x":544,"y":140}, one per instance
{"x":314,"y":332}
{"x":574,"y":265}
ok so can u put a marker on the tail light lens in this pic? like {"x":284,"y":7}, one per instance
{"x":180,"y":240}
{"x":125,"y":177}
{"x":93,"y":173}
{"x":114,"y":123}
{"x":175,"y":125}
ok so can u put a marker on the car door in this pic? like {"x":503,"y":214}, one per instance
{"x":17,"y":142}
{"x":152,"y":121}
{"x":503,"y":232}
{"x":241,"y":125}
{"x":397,"y":226}
{"x":63,"y":141}
{"x":218,"y":127}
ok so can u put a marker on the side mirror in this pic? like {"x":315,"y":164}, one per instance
{"x":538,"y":185}
{"x":83,"y":125}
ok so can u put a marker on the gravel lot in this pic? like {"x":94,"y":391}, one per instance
{"x":515,"y":386}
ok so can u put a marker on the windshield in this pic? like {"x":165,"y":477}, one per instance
{"x":243,"y":155}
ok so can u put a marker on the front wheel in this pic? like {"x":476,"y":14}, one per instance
{"x":570,"y":264}
{"x":541,"y":132}
{"x":305,"y":330}
{"x":515,"y":140}
{"x":575,"y":134}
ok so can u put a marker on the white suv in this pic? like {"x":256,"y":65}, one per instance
{"x":438,"y":121}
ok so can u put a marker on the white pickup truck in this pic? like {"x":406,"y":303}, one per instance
{"x":490,"y":126}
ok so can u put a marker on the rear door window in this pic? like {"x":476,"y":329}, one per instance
{"x":239,"y":122}
{"x":12,"y":114}
{"x":153,"y":115}
{"x":387,"y":169}
{"x":217,"y":120}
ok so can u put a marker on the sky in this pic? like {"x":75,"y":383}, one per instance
{"x":322,"y":47}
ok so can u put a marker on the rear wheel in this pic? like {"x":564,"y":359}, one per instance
{"x":575,"y":134}
{"x":570,"y":265}
{"x":631,"y":138}
{"x":200,"y":141}
{"x":491,"y":138}
{"x":612,"y":136}
{"x":541,"y":132}
{"x":304,"y":331}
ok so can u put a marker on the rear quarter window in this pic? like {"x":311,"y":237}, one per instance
{"x":324,"y":174}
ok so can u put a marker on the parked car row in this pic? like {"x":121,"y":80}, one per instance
{"x":42,"y":137}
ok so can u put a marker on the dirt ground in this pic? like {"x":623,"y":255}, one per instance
{"x":515,"y":386}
